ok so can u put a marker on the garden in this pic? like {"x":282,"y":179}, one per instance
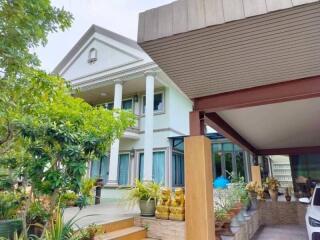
{"x":47,"y":135}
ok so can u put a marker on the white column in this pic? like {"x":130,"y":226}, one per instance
{"x":114,"y":151}
{"x":148,"y":136}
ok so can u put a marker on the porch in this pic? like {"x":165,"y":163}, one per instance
{"x":252,"y":70}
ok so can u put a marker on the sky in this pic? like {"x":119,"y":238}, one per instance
{"x":120,"y":16}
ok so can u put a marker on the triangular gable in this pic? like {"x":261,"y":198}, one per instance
{"x":99,"y":50}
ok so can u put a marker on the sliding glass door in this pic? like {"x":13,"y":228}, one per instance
{"x":124,"y":169}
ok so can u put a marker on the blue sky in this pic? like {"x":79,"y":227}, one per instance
{"x":120,"y":16}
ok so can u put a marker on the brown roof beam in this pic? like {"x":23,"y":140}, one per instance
{"x":289,"y":151}
{"x":216,"y":122}
{"x":274,"y":93}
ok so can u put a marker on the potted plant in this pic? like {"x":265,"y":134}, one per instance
{"x":146,"y":195}
{"x":273,"y":187}
{"x":10,"y":204}
{"x":37,"y":216}
{"x":68,"y":199}
{"x":253,"y":189}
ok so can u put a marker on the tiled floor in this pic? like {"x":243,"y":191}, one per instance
{"x":282,"y":232}
{"x":99,"y":214}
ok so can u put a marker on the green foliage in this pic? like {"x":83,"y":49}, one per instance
{"x":37,"y":213}
{"x":221,"y":214}
{"x":60,"y":230}
{"x":143,"y":191}
{"x":86,"y":192}
{"x":10,"y":203}
{"x":68,"y":198}
{"x":25,"y":24}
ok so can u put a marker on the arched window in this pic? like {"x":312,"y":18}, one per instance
{"x":93,"y":54}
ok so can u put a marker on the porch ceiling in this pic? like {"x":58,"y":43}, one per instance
{"x":105,"y":92}
{"x":260,"y":50}
{"x":280,"y":125}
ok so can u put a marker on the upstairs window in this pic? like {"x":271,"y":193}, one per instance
{"x":158,"y":104}
{"x":126,"y":105}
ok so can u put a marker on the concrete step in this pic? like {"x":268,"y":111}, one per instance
{"x":117,"y":225}
{"x":129,"y":233}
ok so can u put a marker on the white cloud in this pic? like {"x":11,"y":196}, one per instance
{"x":120,"y":16}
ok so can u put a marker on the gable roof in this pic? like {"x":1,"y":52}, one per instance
{"x":94,"y":29}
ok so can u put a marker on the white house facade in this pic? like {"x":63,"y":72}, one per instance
{"x":111,"y":70}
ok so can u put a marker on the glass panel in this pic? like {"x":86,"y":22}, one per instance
{"x":217,"y":163}
{"x":158,"y":105}
{"x":123,"y":169}
{"x":217,"y":147}
{"x":237,"y":148}
{"x":227,"y":147}
{"x":95,"y":169}
{"x":177,"y":169}
{"x":228,"y":162}
{"x":158,"y":167}
{"x":105,"y":168}
{"x":316,"y":200}
{"x":127,"y":104}
{"x":240,"y":164}
{"x":109,"y":106}
{"x":141,"y":163}
{"x":158,"y":102}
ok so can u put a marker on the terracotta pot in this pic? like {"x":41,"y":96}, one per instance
{"x":273,"y":195}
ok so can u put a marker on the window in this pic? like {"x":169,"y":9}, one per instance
{"x":157,"y":166}
{"x":126,"y":105}
{"x":93,"y":56}
{"x":177,"y":169}
{"x":316,"y":199}
{"x":158,"y":105}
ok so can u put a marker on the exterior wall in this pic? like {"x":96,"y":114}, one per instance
{"x":179,"y":111}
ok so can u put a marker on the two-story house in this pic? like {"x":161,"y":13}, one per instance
{"x":111,"y":70}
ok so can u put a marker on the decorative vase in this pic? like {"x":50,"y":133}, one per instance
{"x":273,"y":195}
{"x":253,"y":200}
{"x":288,"y":198}
{"x":147,"y":208}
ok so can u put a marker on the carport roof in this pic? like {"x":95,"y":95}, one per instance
{"x":254,"y":75}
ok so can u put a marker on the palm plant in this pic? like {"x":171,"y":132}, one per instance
{"x":143,"y":191}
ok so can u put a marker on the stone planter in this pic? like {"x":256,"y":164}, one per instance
{"x":273,"y":195}
{"x":9,"y":227}
{"x":147,"y":208}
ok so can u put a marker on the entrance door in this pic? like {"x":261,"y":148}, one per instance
{"x":123,"y":169}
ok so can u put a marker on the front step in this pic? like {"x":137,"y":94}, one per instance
{"x":129,"y":233}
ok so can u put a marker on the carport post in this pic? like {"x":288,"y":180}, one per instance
{"x":198,"y":183}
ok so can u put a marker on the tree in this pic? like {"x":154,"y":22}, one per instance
{"x":24,"y":24}
{"x":46,"y":135}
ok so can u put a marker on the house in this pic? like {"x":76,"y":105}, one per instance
{"x":111,"y":70}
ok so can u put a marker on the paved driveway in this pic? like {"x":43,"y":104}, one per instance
{"x":282,"y":232}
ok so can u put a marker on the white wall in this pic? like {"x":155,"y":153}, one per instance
{"x":180,"y":107}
